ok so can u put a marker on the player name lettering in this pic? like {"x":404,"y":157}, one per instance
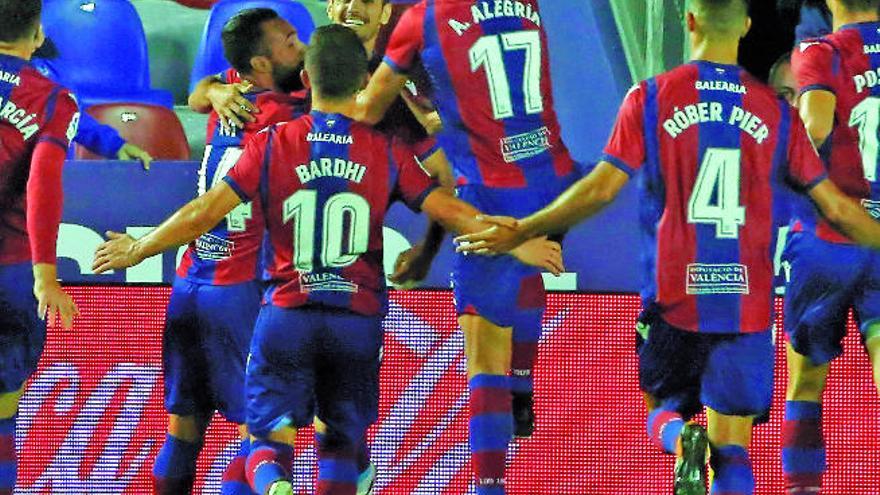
{"x":331,"y":167}
{"x":700,"y":113}
{"x":327,"y":137}
{"x":871,"y":49}
{"x":867,"y":80}
{"x":10,"y":78}
{"x":721,"y":86}
{"x":486,"y":11}
{"x":18,"y":117}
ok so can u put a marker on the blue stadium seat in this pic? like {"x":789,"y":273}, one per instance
{"x":210,"y":59}
{"x":102,"y":50}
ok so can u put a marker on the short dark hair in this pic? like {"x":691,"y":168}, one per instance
{"x":18,"y":18}
{"x":336,"y":61}
{"x":721,"y":16}
{"x":243,"y":37}
{"x":861,"y":5}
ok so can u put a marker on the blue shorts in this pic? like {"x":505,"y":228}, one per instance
{"x":207,"y":336}
{"x":827,"y":279}
{"x":731,"y":373}
{"x":310,"y":361}
{"x":22,"y":332}
{"x":499,"y":288}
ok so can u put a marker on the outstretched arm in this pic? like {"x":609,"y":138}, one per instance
{"x":384,"y":87}
{"x":846,"y":214}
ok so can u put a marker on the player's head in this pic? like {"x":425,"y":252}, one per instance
{"x":336,"y":63}
{"x":718,"y":20}
{"x":261,"y":45}
{"x":782,"y":78}
{"x":20,"y":29}
{"x":365,"y":17}
{"x":857,"y":6}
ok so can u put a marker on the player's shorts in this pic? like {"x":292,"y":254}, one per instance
{"x":730,"y":373}
{"x":499,"y":287}
{"x":314,"y":360}
{"x":22,"y":332}
{"x":207,"y":336}
{"x":827,"y":279}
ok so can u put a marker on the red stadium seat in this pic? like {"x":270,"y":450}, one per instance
{"x":154,"y":128}
{"x":197,"y":4}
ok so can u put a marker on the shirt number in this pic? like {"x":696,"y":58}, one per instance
{"x":236,"y":220}
{"x":345,"y":233}
{"x":715,"y":199}
{"x":866,"y":116}
{"x":487,"y":53}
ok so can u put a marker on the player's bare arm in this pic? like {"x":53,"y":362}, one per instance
{"x":384,"y":87}
{"x":846,"y":214}
{"x":427,"y":117}
{"x":226,"y":99}
{"x":184,"y":226}
{"x":816,"y":108}
{"x":585,"y":198}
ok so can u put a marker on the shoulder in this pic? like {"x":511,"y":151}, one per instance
{"x":34,"y":81}
{"x":819,"y":47}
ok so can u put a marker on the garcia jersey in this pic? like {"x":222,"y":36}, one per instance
{"x":490,"y":70}
{"x":32,"y":109}
{"x":846,"y":63}
{"x":327,"y":182}
{"x":230,"y":252}
{"x":715,"y":144}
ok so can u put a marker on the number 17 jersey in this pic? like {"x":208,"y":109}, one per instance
{"x":713,"y":145}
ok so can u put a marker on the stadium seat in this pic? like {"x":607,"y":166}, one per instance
{"x":154,"y":128}
{"x":197,"y":4}
{"x":210,"y":59}
{"x":102,"y":50}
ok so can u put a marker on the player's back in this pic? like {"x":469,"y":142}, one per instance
{"x":327,"y":183}
{"x":27,"y":105}
{"x":846,"y":63}
{"x":716,"y":142}
{"x":489,"y":63}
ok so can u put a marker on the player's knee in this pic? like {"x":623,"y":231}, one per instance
{"x":806,"y":381}
{"x":9,"y":403}
{"x":283,"y":434}
{"x":320,"y":426}
{"x":186,"y":428}
{"x":729,"y":430}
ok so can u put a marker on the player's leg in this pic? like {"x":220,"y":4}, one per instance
{"x":818,"y":296}
{"x":737,"y":386}
{"x":867,"y":308}
{"x":367,"y":477}
{"x":22,"y":336}
{"x":227,"y":315}
{"x":280,"y":394}
{"x":188,"y":408}
{"x":526,"y":334}
{"x":347,"y":392}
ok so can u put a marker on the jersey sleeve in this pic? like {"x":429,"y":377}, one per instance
{"x":815,"y":64}
{"x":62,"y":121}
{"x":626,"y":146}
{"x":407,"y":39}
{"x":805,"y":167}
{"x":244,"y":177}
{"x":413,"y":183}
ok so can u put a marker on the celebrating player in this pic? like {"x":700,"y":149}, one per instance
{"x":216,"y":295}
{"x":492,"y":87}
{"x":326,"y":183}
{"x":840,"y":106}
{"x":711,"y":144}
{"x":37,"y":121}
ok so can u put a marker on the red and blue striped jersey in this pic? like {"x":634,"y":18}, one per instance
{"x":32,"y":109}
{"x":327,"y":183}
{"x":846,"y":63}
{"x":230,"y":252}
{"x":490,"y":70}
{"x":713,"y":144}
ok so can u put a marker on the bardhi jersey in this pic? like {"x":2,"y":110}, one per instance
{"x":327,"y":182}
{"x":230,"y":252}
{"x":715,"y":145}
{"x":33,"y":109}
{"x":846,"y":63}
{"x":490,"y":70}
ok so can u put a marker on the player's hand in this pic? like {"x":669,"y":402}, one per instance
{"x":427,"y":117}
{"x":231,"y":106}
{"x":542,"y":253}
{"x":502,"y":236}
{"x":52,"y":300}
{"x":132,"y":152}
{"x":411,"y":267}
{"x":115,"y":253}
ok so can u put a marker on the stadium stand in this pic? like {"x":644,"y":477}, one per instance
{"x":154,"y":128}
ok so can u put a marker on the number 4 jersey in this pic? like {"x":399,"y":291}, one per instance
{"x":490,"y":69}
{"x":846,"y":63}
{"x":326,"y":183}
{"x":715,"y":145}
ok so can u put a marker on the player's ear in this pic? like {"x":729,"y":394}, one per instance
{"x":39,"y":37}
{"x":748,"y":27}
{"x":387,"y":9}
{"x":307,"y":82}
{"x":690,"y":21}
{"x":261,"y":63}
